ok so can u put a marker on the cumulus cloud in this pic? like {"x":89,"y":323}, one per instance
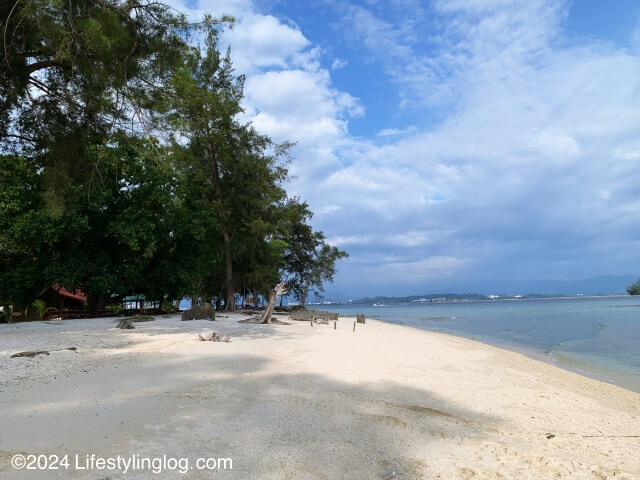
{"x":536,"y":159}
{"x":524,"y":160}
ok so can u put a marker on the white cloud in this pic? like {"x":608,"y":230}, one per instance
{"x":540,"y":151}
{"x":390,"y":132}
{"x":339,"y":63}
{"x":261,"y":41}
{"x":536,"y":156}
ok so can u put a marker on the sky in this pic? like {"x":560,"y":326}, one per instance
{"x":444,"y":143}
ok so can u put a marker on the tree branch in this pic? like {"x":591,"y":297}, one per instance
{"x":34,"y":67}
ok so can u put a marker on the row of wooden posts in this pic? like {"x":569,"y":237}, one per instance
{"x":324,"y":317}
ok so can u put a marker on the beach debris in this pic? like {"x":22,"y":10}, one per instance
{"x":549,"y":435}
{"x":214,"y":337}
{"x":388,"y":474}
{"x":126,"y":324}
{"x":33,"y":353}
{"x":53,"y":321}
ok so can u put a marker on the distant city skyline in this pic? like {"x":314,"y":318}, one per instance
{"x":448,"y":142}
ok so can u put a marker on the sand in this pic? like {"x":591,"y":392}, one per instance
{"x":301,"y":402}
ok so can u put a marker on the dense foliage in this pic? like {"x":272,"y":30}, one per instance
{"x":124,"y":168}
{"x":634,"y":288}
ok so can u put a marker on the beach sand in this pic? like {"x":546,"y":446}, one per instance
{"x":301,"y":402}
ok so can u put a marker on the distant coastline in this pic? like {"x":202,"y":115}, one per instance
{"x":457,"y":297}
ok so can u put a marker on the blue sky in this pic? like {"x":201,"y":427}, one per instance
{"x":447,"y":142}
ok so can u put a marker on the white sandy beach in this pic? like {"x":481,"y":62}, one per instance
{"x":301,"y":402}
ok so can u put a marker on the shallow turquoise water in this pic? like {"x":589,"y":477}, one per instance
{"x":596,"y":336}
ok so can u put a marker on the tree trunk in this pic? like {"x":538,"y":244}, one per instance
{"x":229,"y":304}
{"x":303,"y":300}
{"x":96,"y":301}
{"x":273,"y":296}
{"x":230,"y":301}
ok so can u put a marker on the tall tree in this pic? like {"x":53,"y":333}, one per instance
{"x":240,"y":166}
{"x":74,"y":76}
{"x":97,"y":61}
{"x":124,"y":167}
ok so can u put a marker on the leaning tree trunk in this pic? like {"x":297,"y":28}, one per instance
{"x":273,"y":296}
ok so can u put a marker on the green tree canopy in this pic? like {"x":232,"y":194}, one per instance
{"x":124,"y":167}
{"x":634,"y":288}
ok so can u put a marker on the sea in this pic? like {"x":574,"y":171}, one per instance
{"x":598,"y":337}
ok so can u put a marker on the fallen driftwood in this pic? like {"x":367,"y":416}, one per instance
{"x":214,"y":337}
{"x":33,"y":353}
{"x":125,"y":324}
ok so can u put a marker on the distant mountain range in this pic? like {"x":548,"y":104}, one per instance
{"x":600,"y":285}
{"x":486,"y":290}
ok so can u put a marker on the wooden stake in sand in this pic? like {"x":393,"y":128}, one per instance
{"x":354,"y":326}
{"x":335,"y":325}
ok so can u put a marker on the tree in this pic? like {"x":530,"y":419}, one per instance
{"x":124,"y":167}
{"x":127,"y":216}
{"x":78,"y":81}
{"x":310,"y":262}
{"x":321,"y":270}
{"x":23,"y":226}
{"x":239,"y":165}
{"x":634,"y":288}
{"x":96,"y":60}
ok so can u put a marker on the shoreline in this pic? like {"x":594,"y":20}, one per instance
{"x":295,"y":401}
{"x":562,"y":361}
{"x":529,"y":353}
{"x":611,"y":366}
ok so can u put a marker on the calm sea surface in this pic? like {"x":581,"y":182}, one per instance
{"x":595,"y":336}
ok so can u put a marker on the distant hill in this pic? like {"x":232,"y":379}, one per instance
{"x":419,"y":298}
{"x":601,"y":285}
